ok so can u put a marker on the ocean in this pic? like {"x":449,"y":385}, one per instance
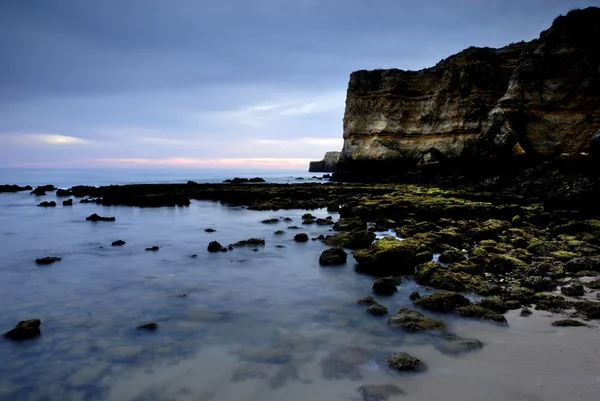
{"x":254,"y":323}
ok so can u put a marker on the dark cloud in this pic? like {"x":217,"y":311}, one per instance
{"x":192,"y":69}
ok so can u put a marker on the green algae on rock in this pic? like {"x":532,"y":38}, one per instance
{"x":476,"y":311}
{"x":386,"y":285}
{"x":403,"y":362}
{"x":412,"y":321}
{"x":388,"y":256}
{"x":442,"y":301}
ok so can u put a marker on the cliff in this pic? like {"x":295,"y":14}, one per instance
{"x":327,"y":165}
{"x":535,"y":99}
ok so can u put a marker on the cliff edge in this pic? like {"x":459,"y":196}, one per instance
{"x":528,"y":100}
{"x":327,"y":165}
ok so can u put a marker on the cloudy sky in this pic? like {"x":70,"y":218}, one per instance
{"x":217,"y":83}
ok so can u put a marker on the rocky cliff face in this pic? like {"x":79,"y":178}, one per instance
{"x":538,"y":98}
{"x":327,"y":165}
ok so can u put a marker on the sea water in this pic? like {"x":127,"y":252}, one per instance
{"x":255,"y":323}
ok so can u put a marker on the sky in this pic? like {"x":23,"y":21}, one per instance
{"x":219,"y":83}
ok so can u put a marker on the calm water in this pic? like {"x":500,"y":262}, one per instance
{"x":265,"y":324}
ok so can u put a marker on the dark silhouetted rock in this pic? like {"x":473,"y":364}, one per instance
{"x":68,"y":202}
{"x":271,"y":221}
{"x":95,"y":217}
{"x":118,"y":242}
{"x":214,"y":246}
{"x":249,"y":242}
{"x":63,"y":192}
{"x":403,"y":362}
{"x":377,"y":310}
{"x":24,"y":330}
{"x":47,"y":260}
{"x":153,"y":248}
{"x":210,"y":230}
{"x":302,"y":237}
{"x":568,"y":323}
{"x":442,"y":301}
{"x":333,"y":256}
{"x":148,"y":326}
{"x":386,"y":285}
{"x":48,"y":204}
{"x":14,"y":188}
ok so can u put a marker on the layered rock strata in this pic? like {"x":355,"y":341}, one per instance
{"x":327,"y":165}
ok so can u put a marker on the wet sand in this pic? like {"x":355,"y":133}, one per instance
{"x":530,"y":360}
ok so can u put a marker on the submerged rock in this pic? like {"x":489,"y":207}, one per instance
{"x":442,"y":301}
{"x":118,"y":242}
{"x":368,"y":300}
{"x":386,"y":285}
{"x":478,"y":312}
{"x":452,"y":345}
{"x":215,"y":246}
{"x":381,"y":392}
{"x":153,"y":248}
{"x":301,"y":237}
{"x":403,"y":362}
{"x":271,"y":221}
{"x":47,"y":204}
{"x":333,"y":256}
{"x":344,"y":363}
{"x":249,"y":242}
{"x":95,"y":217}
{"x":377,"y":309}
{"x":24,"y":330}
{"x":279,"y":232}
{"x":248,"y":372}
{"x":47,"y":260}
{"x":568,"y":323}
{"x":148,"y":326}
{"x":268,"y":355}
{"x":412,"y":320}
{"x":210,"y":230}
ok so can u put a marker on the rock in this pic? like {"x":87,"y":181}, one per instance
{"x":388,"y":256}
{"x":350,"y":224}
{"x":573,"y":290}
{"x":403,"y":362}
{"x":333,"y":256}
{"x":442,"y":301}
{"x":238,"y":180}
{"x":386,"y":285}
{"x":414,"y":295}
{"x":14,"y":188}
{"x":595,"y":284}
{"x":583,"y":264}
{"x":301,"y":237}
{"x":153,"y":248}
{"x":382,"y":392}
{"x":248,"y":372}
{"x":368,"y":300}
{"x":550,"y":302}
{"x":326,"y":165}
{"x":249,"y":242}
{"x":68,"y":202}
{"x":512,"y":305}
{"x":279,"y":232}
{"x":500,"y":264}
{"x":47,"y":204}
{"x":95,"y":217}
{"x":478,"y":312}
{"x":568,"y":323}
{"x":271,"y":221}
{"x":353,"y":240}
{"x":452,"y":345}
{"x":47,"y":260}
{"x":214,"y":246}
{"x":210,"y":230}
{"x":412,"y":321}
{"x":451,"y":255}
{"x":39,"y":191}
{"x":63,"y":192}
{"x":495,"y":304}
{"x":24,"y":330}
{"x":148,"y":326}
{"x":589,"y":309}
{"x":118,"y":242}
{"x":323,"y":222}
{"x":377,"y":309}
{"x":526,"y":312}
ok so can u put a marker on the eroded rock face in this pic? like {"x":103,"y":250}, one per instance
{"x":537,"y":98}
{"x":327,"y":165}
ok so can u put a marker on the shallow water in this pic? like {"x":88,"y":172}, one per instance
{"x":264,"y":324}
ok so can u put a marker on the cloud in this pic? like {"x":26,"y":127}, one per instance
{"x":26,"y":139}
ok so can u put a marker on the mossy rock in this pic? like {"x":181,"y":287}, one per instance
{"x":589,"y":309}
{"x":499,"y":264}
{"x":452,"y":345}
{"x":512,"y":304}
{"x":368,"y":300}
{"x":489,"y":229}
{"x":476,"y":311}
{"x":442,"y":301}
{"x":540,"y":247}
{"x":582,"y":264}
{"x":573,"y":290}
{"x":350,"y":224}
{"x":333,"y":256}
{"x":387,"y":256}
{"x":451,"y":255}
{"x":538,"y":283}
{"x":595,"y":284}
{"x":403,"y":362}
{"x":568,"y":323}
{"x":352,"y":240}
{"x":412,"y":321}
{"x":563,"y":256}
{"x":495,"y":304}
{"x":552,"y":303}
{"x":301,"y":237}
{"x":386,"y":285}
{"x":377,"y":310}
{"x":466,"y":267}
{"x":425,"y":271}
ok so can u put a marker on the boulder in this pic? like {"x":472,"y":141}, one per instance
{"x":301,"y":237}
{"x":118,"y":242}
{"x":333,"y":256}
{"x":68,"y":202}
{"x":589,"y":309}
{"x":403,"y":362}
{"x":495,"y":304}
{"x":215,"y":246}
{"x":451,"y":255}
{"x":442,"y":301}
{"x":24,"y":330}
{"x":476,"y":311}
{"x":573,"y":290}
{"x":388,"y":256}
{"x":412,"y":321}
{"x":95,"y":217}
{"x":47,"y":260}
{"x":386,"y":285}
{"x":377,"y":309}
